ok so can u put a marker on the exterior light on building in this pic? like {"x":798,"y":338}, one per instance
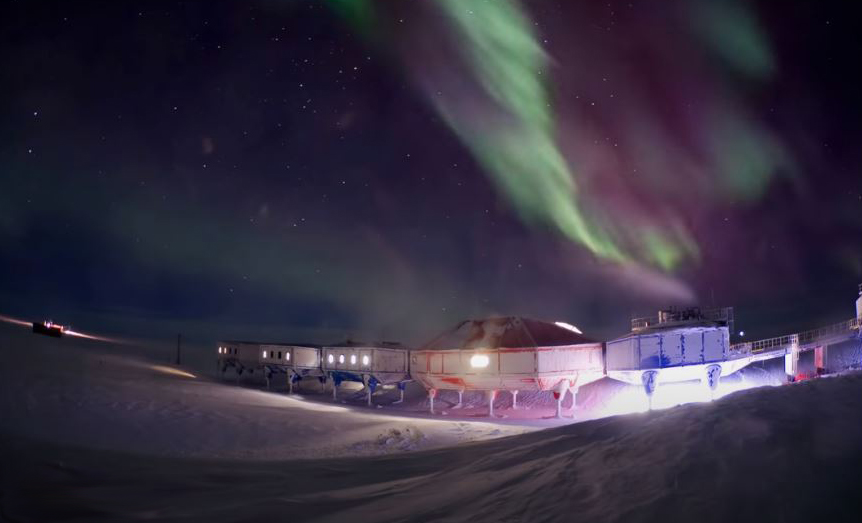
{"x":479,"y":361}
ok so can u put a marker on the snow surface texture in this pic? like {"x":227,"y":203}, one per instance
{"x":72,"y":392}
{"x":95,"y":437}
{"x":772,"y":454}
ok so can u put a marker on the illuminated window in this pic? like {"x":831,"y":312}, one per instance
{"x":330,"y":359}
{"x":341,"y":358}
{"x":353,"y":359}
{"x":366,"y":360}
{"x":287,"y":356}
{"x":264,"y":354}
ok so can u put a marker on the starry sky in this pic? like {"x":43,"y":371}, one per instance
{"x":383,"y":168}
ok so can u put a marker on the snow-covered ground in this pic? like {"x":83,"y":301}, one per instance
{"x":118,"y":397}
{"x":102,"y":432}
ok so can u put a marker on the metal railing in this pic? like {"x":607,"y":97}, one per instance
{"x":802,"y":339}
{"x":682,"y":316}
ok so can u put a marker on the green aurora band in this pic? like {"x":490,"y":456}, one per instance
{"x":512,"y":132}
{"x":522,"y":157}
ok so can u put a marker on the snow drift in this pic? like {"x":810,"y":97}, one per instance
{"x":789,"y":453}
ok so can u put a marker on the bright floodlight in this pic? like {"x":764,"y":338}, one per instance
{"x":568,"y":326}
{"x":479,"y":361}
{"x":366,"y":360}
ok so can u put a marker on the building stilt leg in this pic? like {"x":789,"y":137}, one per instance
{"x":560,"y":394}
{"x":574,"y":391}
{"x":712,"y":378}
{"x":401,"y":386}
{"x":650,"y":381}
{"x":431,"y":394}
{"x":791,"y":359}
{"x":460,"y":399}
{"x":492,"y":395}
{"x":514,"y":400}
{"x":820,"y":356}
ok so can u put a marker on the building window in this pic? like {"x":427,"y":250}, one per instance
{"x":366,"y":360}
{"x":341,"y":358}
{"x":330,"y":359}
{"x":264,"y":354}
{"x":287,"y":356}
{"x":353,"y":359}
{"x":279,"y":354}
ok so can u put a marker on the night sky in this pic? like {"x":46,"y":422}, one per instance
{"x":387,"y":168}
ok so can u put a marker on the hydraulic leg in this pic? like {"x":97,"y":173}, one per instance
{"x":401,"y":386}
{"x":335,"y":383}
{"x":574,"y":391}
{"x":712,"y":378}
{"x":370,"y":386}
{"x":291,"y":377}
{"x":650,"y":382}
{"x":560,"y":394}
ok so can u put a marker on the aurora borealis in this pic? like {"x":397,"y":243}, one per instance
{"x":491,"y":82}
{"x":355,"y":165}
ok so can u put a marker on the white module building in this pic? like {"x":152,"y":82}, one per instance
{"x":509,"y":353}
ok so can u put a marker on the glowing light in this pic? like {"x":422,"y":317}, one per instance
{"x":287,"y":356}
{"x":172,"y":371}
{"x":366,"y":360}
{"x":341,"y":358}
{"x":631,"y":398}
{"x":568,"y":326}
{"x":68,"y":332}
{"x":330,"y":359}
{"x":23,"y":323}
{"x":479,"y":361}
{"x":264,"y":354}
{"x":353,"y":359}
